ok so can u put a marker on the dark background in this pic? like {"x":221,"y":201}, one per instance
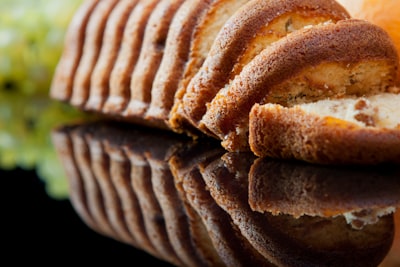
{"x":39,"y":229}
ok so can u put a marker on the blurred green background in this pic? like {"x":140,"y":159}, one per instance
{"x":31,"y":42}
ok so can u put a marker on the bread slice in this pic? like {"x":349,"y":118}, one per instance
{"x":203,"y":36}
{"x":325,"y":61}
{"x":250,"y":30}
{"x":113,"y":33}
{"x":358,"y":130}
{"x":176,"y":54}
{"x":62,"y":84}
{"x":199,"y":66}
{"x":131,"y":43}
{"x":93,"y":41}
{"x":150,"y":57}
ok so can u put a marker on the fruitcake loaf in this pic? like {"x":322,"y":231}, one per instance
{"x":199,"y":67}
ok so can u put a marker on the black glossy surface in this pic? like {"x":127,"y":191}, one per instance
{"x":38,"y":229}
{"x":41,"y":230}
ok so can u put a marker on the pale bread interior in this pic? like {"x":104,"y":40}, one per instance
{"x":380,"y":110}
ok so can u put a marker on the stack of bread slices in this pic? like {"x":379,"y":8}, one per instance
{"x":286,"y":79}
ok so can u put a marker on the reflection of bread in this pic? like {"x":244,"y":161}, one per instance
{"x":393,"y":257}
{"x":286,"y":241}
{"x":123,"y":204}
{"x":187,"y":203}
{"x":125,"y":190}
{"x":232,"y":247}
{"x":303,"y":189}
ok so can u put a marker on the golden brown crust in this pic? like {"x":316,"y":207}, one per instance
{"x":113,"y":33}
{"x":290,"y":133}
{"x":291,"y":57}
{"x":254,"y":19}
{"x":93,"y":41}
{"x":151,"y":54}
{"x":62,"y":84}
{"x":208,"y":28}
{"x":128,"y":55}
{"x":177,"y":50}
{"x":201,"y":65}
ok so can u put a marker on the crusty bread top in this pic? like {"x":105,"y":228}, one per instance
{"x":62,"y":83}
{"x":285,"y":52}
{"x":150,"y":57}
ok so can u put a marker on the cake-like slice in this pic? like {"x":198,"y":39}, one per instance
{"x":131,"y":43}
{"x":113,"y":33}
{"x":250,"y":30}
{"x":358,"y":130}
{"x":175,"y":57}
{"x":217,"y":14}
{"x":326,"y":61}
{"x":62,"y":83}
{"x":92,"y":44}
{"x":150,"y":57}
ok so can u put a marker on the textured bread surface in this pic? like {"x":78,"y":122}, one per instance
{"x":119,"y":84}
{"x":198,"y":67}
{"x":344,"y":131}
{"x":319,"y":62}
{"x":244,"y":35}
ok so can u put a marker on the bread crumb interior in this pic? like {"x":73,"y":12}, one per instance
{"x":380,"y":110}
